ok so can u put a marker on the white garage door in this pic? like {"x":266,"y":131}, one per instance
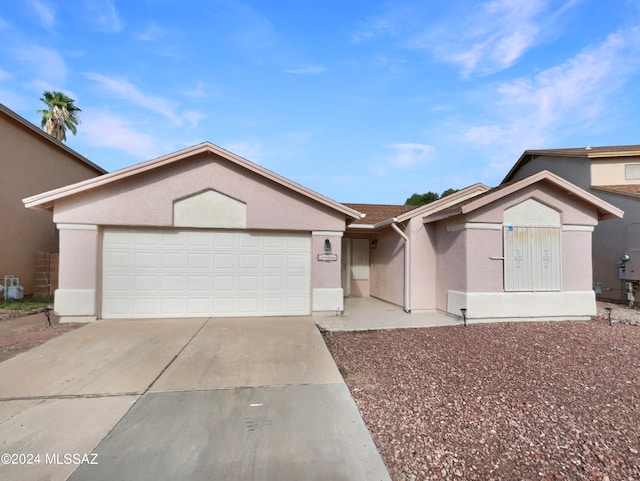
{"x":190,"y":273}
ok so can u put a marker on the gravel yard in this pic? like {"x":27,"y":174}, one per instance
{"x":506,"y":401}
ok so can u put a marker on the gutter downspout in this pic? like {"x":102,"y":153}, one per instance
{"x":407,"y":265}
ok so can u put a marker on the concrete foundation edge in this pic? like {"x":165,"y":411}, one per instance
{"x":505,"y":306}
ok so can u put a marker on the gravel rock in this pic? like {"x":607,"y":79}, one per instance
{"x":504,"y":401}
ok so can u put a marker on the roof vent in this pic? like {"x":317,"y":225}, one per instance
{"x":588,"y":147}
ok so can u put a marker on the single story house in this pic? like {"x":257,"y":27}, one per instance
{"x":203,"y":232}
{"x":613,"y":174}
{"x":32,"y":161}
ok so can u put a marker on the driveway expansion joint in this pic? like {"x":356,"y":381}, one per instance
{"x":71,"y":396}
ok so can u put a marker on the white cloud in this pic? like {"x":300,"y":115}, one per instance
{"x":103,"y":130}
{"x":409,"y":155}
{"x":492,"y":38}
{"x":100,"y":14}
{"x":307,"y":70}
{"x":126,"y":91}
{"x":252,"y":150}
{"x":45,"y":13}
{"x":487,"y":37}
{"x":46,"y":63}
{"x":193,"y":117}
{"x":152,"y":33}
{"x":574,"y":96}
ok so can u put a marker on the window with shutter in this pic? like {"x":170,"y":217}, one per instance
{"x":532,"y":258}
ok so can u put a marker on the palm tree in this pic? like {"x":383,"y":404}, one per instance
{"x":60,"y":115}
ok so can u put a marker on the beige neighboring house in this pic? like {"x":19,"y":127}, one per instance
{"x":612,"y":174}
{"x":205,"y":233}
{"x":32,"y":161}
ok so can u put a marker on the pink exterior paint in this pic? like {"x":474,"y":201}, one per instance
{"x":147,"y":199}
{"x":423,"y":275}
{"x":573,"y":212}
{"x":451,"y":251}
{"x":387,"y":267}
{"x":484,"y":274}
{"x":326,"y":274}
{"x":79,"y":250}
{"x":577,"y":268}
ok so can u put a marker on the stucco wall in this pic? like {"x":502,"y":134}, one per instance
{"x":471,"y":273}
{"x":423,"y":265}
{"x":612,"y":171}
{"x":451,"y":250}
{"x":572,"y":212}
{"x":610,"y":236}
{"x":30,"y":164}
{"x":147,"y":199}
{"x":387,"y":267}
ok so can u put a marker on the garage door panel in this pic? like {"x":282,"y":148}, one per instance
{"x":154,"y":273}
{"x":197,"y":284}
{"x":225,"y":261}
{"x":147,"y":283}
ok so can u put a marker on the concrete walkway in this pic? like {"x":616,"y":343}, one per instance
{"x":369,"y":313}
{"x":192,"y":399}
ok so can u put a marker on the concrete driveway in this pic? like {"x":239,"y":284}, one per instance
{"x":191,"y":399}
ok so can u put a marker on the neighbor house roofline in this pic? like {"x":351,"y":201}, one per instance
{"x":46,"y":200}
{"x":604,"y":209}
{"x":48,"y":138}
{"x":576,"y":153}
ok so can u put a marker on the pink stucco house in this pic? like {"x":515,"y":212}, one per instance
{"x":611,"y":173}
{"x":203,"y":232}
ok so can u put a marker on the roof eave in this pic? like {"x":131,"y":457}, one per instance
{"x":603,"y":207}
{"x":206,"y":147}
{"x":24,"y":122}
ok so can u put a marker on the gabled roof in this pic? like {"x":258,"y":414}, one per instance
{"x":604,"y":209}
{"x":47,"y":199}
{"x":587,"y":153}
{"x":55,"y":143}
{"x":378,"y":216}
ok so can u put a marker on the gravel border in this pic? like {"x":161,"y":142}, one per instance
{"x":504,"y":401}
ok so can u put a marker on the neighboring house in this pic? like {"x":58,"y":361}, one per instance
{"x":613,"y":174}
{"x":32,"y":161}
{"x":203,"y":232}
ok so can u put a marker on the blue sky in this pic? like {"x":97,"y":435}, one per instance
{"x":362,"y":101}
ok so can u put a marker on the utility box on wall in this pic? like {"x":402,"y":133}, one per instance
{"x":632,"y":266}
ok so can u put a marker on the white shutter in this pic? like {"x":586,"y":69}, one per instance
{"x":532,"y":258}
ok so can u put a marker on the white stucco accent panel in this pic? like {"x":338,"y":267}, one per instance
{"x":75,"y":303}
{"x":531,"y":212}
{"x":328,"y":299}
{"x":577,"y":228}
{"x":473,"y":225}
{"x":506,"y":306}
{"x":210,"y":209}
{"x":76,"y":227}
